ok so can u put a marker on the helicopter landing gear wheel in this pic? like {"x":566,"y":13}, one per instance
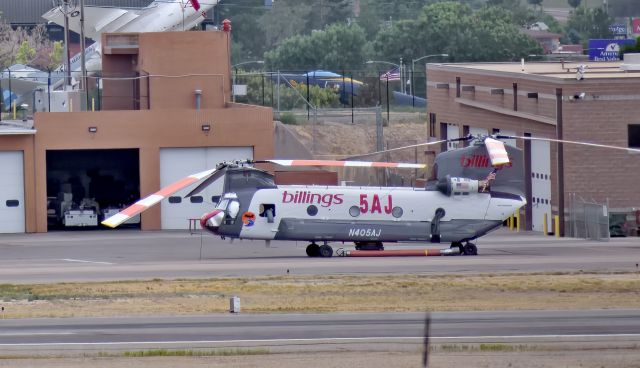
{"x":470,"y":249}
{"x":313,"y":250}
{"x":325,"y":251}
{"x":459,"y":246}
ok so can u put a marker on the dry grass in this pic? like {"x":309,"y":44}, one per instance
{"x":325,"y":294}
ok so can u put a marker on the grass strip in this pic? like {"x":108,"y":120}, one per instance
{"x":288,"y":294}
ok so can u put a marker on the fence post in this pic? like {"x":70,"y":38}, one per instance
{"x":315,"y":132}
{"x":379,"y":131}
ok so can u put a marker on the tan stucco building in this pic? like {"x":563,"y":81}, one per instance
{"x":154,"y":116}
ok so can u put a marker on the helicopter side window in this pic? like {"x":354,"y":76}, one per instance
{"x":268,"y":210}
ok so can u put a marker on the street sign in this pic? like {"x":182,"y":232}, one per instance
{"x":607,"y":50}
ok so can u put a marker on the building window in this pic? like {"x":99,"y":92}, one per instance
{"x":634,"y":135}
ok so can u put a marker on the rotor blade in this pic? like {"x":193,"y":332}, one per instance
{"x":208,"y":181}
{"x":145,"y":203}
{"x":570,"y":142}
{"x":344,"y":163}
{"x":395,"y":149}
{"x":497,"y":153}
{"x":465,"y":138}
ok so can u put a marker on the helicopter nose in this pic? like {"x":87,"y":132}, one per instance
{"x":212,"y":220}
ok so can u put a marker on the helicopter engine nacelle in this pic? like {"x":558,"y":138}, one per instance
{"x":453,"y":185}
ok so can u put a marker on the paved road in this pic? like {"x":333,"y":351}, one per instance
{"x":314,"y":329}
{"x":118,"y":255}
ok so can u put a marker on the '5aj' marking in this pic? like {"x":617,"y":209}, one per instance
{"x":376,"y":206}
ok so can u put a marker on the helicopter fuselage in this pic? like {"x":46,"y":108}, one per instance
{"x":359,"y":214}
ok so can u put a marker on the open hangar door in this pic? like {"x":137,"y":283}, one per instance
{"x":177,"y":163}
{"x":12,"y":216}
{"x":86,"y":186}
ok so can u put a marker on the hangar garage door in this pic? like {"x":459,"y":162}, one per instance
{"x":177,"y":163}
{"x":11,"y":192}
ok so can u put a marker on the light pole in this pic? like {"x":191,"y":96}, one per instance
{"x":413,"y":61}
{"x":235,"y":74}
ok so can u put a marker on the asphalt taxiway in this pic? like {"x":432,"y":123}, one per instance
{"x":130,"y":254}
{"x":299,"y":330}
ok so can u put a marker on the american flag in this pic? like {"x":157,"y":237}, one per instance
{"x":391,"y":75}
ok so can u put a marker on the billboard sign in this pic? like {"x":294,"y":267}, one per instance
{"x":618,"y":29}
{"x":607,"y":50}
{"x":636,"y":25}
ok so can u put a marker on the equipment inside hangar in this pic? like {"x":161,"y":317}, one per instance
{"x":86,"y":186}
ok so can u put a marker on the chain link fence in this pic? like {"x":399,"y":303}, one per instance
{"x":588,"y":220}
{"x":352,"y":89}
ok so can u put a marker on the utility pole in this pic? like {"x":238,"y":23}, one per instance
{"x":67,"y":61}
{"x":83,"y":65}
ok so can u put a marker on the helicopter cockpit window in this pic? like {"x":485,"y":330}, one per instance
{"x":232,"y":212}
{"x":222,"y":205}
{"x":231,"y":207}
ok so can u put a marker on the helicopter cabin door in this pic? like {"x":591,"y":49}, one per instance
{"x":541,"y":185}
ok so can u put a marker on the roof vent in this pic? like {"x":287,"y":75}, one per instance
{"x":631,"y":62}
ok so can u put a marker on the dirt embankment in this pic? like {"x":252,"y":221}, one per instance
{"x":331,"y":139}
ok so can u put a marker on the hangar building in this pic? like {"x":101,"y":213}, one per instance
{"x":549,"y":100}
{"x":170,"y":118}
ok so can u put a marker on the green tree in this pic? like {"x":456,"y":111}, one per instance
{"x":55,"y":55}
{"x":249,"y":38}
{"x":326,"y":12}
{"x":536,"y":2}
{"x":623,"y":8}
{"x":574,"y":3}
{"x":25,"y":54}
{"x":453,"y":28}
{"x":589,"y":23}
{"x":19,"y":45}
{"x":338,"y":47}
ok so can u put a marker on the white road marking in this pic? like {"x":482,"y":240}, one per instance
{"x":84,"y":261}
{"x":328,"y":339}
{"x":35,"y":333}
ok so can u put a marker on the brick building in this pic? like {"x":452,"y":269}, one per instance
{"x":548,"y":100}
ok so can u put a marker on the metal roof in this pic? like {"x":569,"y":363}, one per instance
{"x":566,"y":70}
{"x":28,"y":12}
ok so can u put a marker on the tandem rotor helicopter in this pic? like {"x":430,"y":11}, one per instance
{"x":455,"y":210}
